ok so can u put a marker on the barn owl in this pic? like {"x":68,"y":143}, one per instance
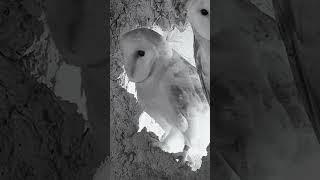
{"x":169,"y":89}
{"x":199,"y":18}
{"x":78,"y":30}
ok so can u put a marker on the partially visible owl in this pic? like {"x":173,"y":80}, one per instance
{"x":168,"y":88}
{"x":199,"y":18}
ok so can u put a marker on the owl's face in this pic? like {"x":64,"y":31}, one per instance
{"x":199,"y":16}
{"x":141,"y":49}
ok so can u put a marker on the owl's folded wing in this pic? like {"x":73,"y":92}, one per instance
{"x":186,"y":93}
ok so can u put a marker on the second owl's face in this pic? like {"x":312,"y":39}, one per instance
{"x":139,"y":58}
{"x":199,"y":17}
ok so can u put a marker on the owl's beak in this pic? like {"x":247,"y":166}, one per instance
{"x":129,"y":70}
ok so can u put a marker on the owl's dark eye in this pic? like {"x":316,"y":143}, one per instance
{"x":204,"y":12}
{"x":141,"y":53}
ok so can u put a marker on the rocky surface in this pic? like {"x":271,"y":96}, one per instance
{"x":42,"y":136}
{"x":261,"y":31}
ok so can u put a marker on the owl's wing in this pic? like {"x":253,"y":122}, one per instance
{"x":198,"y":61}
{"x":185,"y":92}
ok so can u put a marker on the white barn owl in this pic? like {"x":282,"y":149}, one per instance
{"x":199,"y":18}
{"x":169,"y":89}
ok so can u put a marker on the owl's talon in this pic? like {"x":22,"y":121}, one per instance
{"x":181,"y":157}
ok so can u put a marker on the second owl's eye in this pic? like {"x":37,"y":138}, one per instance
{"x":204,"y":12}
{"x":141,"y":53}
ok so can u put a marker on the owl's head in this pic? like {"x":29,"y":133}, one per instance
{"x":199,"y":17}
{"x":141,"y":49}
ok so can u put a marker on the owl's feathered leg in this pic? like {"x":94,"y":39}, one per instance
{"x":183,"y":156}
{"x":162,"y":145}
{"x":166,"y":140}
